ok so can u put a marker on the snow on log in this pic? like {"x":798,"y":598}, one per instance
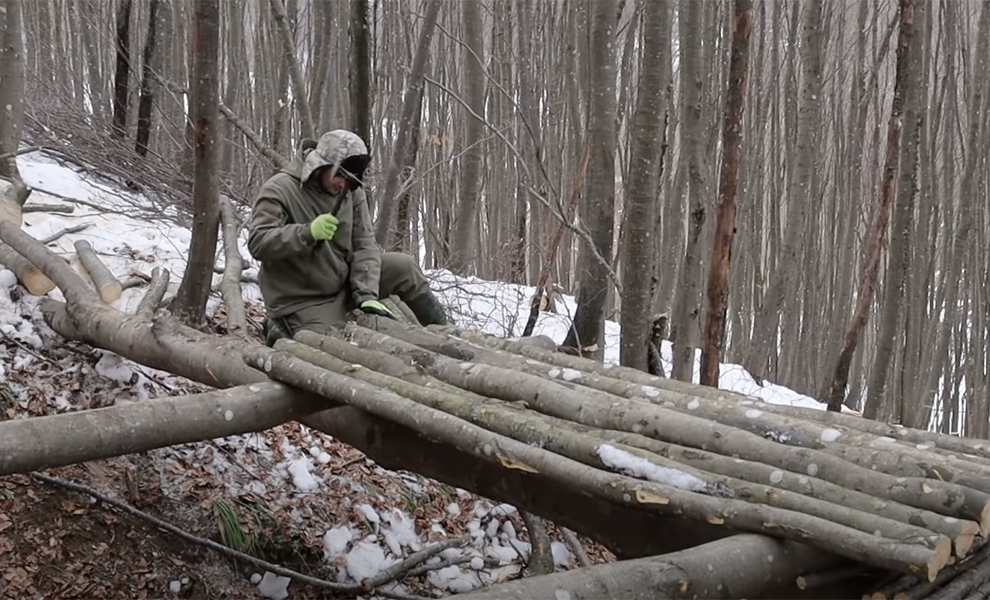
{"x":108,"y":286}
{"x":70,"y":438}
{"x":925,"y":557}
{"x":741,"y":566}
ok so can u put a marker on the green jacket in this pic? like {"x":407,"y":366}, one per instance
{"x":297,"y":271}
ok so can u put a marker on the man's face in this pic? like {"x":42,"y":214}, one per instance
{"x":334,"y":184}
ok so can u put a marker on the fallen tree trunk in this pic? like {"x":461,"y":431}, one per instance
{"x":70,"y":438}
{"x":908,"y":557}
{"x":742,"y":566}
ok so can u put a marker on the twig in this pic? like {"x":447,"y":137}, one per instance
{"x":415,"y":559}
{"x":27,"y":349}
{"x":389,"y":575}
{"x":276,"y":158}
{"x":572,"y":541}
{"x":348,"y":588}
{"x":27,"y":150}
{"x":450,"y":562}
{"x":132,"y":282}
{"x":66,"y":231}
{"x":49,"y":208}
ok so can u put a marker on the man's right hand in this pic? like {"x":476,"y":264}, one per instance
{"x":323,"y":227}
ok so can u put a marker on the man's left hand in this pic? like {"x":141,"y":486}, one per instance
{"x":375,"y":307}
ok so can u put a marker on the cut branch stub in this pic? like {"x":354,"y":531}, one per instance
{"x":108,"y":286}
{"x":29,"y":275}
{"x":12,"y":202}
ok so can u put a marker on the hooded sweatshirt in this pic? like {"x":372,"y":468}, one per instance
{"x":296,"y":270}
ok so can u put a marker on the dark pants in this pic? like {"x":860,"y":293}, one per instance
{"x":400,"y":275}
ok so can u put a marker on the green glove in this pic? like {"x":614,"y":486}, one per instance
{"x":323,"y":227}
{"x":375,"y":307}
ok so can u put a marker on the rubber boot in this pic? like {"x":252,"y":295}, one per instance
{"x":272,"y":332}
{"x":427,"y":309}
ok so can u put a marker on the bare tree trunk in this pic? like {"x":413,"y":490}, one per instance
{"x":638,"y":248}
{"x":11,"y":88}
{"x":874,"y":248}
{"x":900,"y":250}
{"x":598,"y":209}
{"x":718,"y":281}
{"x":410,"y":102}
{"x":360,"y":71}
{"x":295,"y":70}
{"x":190,"y":301}
{"x":693,"y":74}
{"x":122,"y":76}
{"x":149,"y":79}
{"x":464,"y":239}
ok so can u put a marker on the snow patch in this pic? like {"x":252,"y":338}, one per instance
{"x":829,"y":435}
{"x":335,"y":541}
{"x":640,"y":467}
{"x":366,"y":559}
{"x":301,"y":477}
{"x":274,"y":586}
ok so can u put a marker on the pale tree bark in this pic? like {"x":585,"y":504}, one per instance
{"x":410,"y":104}
{"x":800,"y":196}
{"x":638,"y":246}
{"x":300,"y":97}
{"x":464,"y":238}
{"x":194,"y":290}
{"x":902,"y":225}
{"x":874,"y":247}
{"x":684,"y":319}
{"x":121,"y":82}
{"x":11,"y":88}
{"x":150,"y":66}
{"x":598,"y":206}
{"x":718,"y":280}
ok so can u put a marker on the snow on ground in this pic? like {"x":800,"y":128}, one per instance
{"x":291,"y":469}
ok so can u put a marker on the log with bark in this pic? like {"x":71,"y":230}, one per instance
{"x":230,"y":283}
{"x":107,"y":285}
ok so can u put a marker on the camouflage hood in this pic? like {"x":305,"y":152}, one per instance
{"x":333,"y":148}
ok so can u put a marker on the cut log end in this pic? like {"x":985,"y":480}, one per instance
{"x":963,"y":542}
{"x":940,"y":557}
{"x":985,"y":520}
{"x":37,"y":282}
{"x":110,"y":291}
{"x":10,"y":211}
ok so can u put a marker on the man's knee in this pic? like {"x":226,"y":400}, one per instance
{"x":400,"y":275}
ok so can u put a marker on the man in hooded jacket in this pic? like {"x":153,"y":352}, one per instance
{"x":311,"y":230}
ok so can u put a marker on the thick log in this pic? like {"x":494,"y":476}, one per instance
{"x":590,"y":449}
{"x":107,"y":285}
{"x":623,"y":490}
{"x":75,"y":437}
{"x":233,"y":266}
{"x":599,"y":410}
{"x":742,"y":566}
